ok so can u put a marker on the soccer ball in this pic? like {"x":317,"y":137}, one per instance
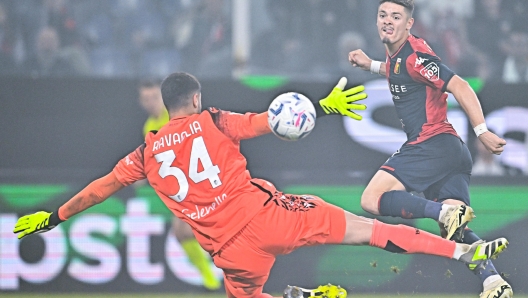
{"x":291,"y":116}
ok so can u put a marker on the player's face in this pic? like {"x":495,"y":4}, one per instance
{"x":393,"y":24}
{"x":151,"y":100}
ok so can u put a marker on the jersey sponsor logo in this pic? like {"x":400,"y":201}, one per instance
{"x":431,"y":72}
{"x":202,"y":212}
{"x":419,"y":61}
{"x":128,"y":161}
{"x":397,"y":66}
{"x":398,"y":88}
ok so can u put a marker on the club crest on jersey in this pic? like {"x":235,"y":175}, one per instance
{"x":397,"y":66}
{"x":431,"y":72}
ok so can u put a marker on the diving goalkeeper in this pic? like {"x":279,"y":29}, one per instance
{"x":151,"y":101}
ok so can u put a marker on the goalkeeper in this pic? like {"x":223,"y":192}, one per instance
{"x":151,"y":101}
{"x":195,"y":166}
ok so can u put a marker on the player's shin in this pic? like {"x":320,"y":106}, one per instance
{"x":405,"y":239}
{"x":398,"y":203}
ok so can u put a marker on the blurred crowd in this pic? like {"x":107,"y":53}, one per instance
{"x":297,"y":38}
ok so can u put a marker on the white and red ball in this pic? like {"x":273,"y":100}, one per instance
{"x":291,"y":116}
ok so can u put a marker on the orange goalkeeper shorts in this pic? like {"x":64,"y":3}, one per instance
{"x":285,"y":223}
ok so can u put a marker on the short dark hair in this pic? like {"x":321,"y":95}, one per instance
{"x":177,"y":89}
{"x":407,"y":4}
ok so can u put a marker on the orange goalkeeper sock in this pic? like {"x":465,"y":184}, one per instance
{"x":405,"y":239}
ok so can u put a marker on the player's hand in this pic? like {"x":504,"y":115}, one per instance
{"x":342,"y":102}
{"x":33,"y":223}
{"x":492,"y":142}
{"x":359,"y":59}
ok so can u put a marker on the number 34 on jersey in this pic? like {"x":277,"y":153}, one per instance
{"x":200,"y":154}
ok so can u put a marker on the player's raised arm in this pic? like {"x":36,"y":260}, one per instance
{"x":95,"y":193}
{"x":468,"y":100}
{"x":359,"y":59}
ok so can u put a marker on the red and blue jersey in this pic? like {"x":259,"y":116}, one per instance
{"x":418,"y":80}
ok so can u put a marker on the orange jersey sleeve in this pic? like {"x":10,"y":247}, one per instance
{"x":95,"y":193}
{"x":240,"y":126}
{"x":259,"y":123}
{"x":131,"y":169}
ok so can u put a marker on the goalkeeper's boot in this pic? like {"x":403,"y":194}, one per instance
{"x":480,"y":252}
{"x":455,"y":220}
{"x":497,"y":289}
{"x":326,"y":291}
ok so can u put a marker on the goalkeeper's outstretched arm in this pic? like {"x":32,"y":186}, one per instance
{"x":342,"y":102}
{"x":95,"y":193}
{"x":338,"y":102}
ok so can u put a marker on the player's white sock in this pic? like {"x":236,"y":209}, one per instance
{"x":443,"y":211}
{"x":460,"y":249}
{"x":491,"y":279}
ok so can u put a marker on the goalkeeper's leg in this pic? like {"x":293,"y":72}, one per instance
{"x":397,"y":239}
{"x":405,"y":239}
{"x":195,"y":254}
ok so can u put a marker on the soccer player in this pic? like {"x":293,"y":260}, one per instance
{"x":195,"y":166}
{"x":433,"y":160}
{"x":151,"y":101}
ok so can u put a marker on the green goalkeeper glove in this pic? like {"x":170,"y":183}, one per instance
{"x":36,"y":223}
{"x":342,"y":102}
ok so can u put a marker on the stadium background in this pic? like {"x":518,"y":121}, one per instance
{"x":62,"y":127}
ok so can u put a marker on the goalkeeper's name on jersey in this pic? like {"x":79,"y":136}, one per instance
{"x":176,"y":138}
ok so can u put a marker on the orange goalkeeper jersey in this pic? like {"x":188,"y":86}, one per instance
{"x":195,"y":166}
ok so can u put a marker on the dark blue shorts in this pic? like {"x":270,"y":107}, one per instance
{"x":440,"y":167}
